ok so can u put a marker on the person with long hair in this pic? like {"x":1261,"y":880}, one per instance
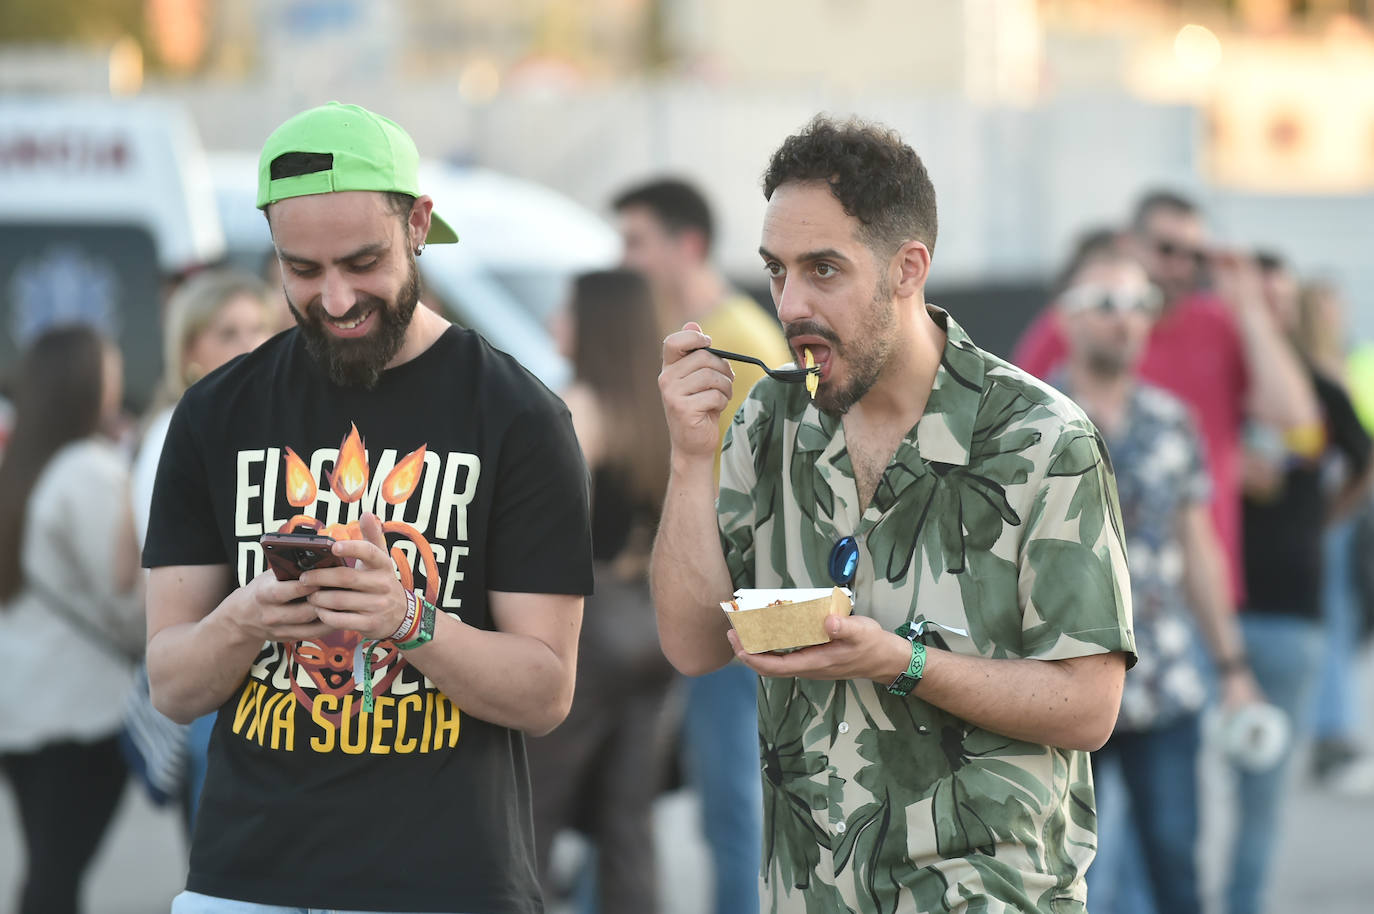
{"x":1339,"y":762}
{"x":70,"y":612}
{"x":211,"y":319}
{"x":1291,"y":497}
{"x":602,"y":769}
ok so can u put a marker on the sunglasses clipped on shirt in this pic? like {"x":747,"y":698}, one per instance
{"x":1110,"y":300}
{"x":844,"y":561}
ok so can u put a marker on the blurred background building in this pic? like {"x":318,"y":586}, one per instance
{"x":129,"y":131}
{"x":1035,"y":117}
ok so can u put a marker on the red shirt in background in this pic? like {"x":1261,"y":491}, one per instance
{"x":1195,"y":351}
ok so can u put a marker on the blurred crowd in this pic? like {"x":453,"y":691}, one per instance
{"x":1236,"y":411}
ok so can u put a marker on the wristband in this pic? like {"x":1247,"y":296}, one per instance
{"x":425,"y":632}
{"x":362,"y":670}
{"x":915,"y":668}
{"x":408,"y":622}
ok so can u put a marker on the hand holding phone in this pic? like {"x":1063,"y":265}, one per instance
{"x":291,"y":554}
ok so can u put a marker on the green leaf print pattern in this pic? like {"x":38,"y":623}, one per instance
{"x":997,"y":515}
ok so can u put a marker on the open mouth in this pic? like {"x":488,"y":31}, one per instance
{"x":819,"y":351}
{"x":353,"y":326}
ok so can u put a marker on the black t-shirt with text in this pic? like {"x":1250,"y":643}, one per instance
{"x":474,"y":469}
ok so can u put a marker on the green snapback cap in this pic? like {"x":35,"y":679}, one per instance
{"x":364,"y":151}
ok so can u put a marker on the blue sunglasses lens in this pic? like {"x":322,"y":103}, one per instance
{"x":844,"y":560}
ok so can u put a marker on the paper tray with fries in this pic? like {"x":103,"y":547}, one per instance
{"x":785,"y":619}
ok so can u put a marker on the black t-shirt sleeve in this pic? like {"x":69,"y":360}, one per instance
{"x":539,"y":540}
{"x":181,"y":522}
{"x":1342,"y":424}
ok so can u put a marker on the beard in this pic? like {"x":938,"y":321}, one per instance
{"x":866,"y":359}
{"x":1106,"y":363}
{"x":1108,"y":356}
{"x":360,"y":362}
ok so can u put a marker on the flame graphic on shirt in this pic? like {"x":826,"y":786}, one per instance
{"x":329,"y":661}
{"x":300,"y":483}
{"x":348,"y":482}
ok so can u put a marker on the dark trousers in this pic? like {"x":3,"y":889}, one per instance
{"x":67,"y":794}
{"x":602,"y":769}
{"x":1160,"y":771}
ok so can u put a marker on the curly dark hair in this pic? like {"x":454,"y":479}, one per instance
{"x":877,"y":178}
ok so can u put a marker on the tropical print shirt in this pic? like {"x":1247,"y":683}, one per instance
{"x":997,"y":520}
{"x":1161,"y":471}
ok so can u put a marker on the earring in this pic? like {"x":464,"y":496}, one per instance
{"x":419,"y":249}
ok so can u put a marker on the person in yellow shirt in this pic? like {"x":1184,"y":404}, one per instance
{"x":667,"y":230}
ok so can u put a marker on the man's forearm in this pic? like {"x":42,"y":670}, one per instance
{"x":1204,"y":580}
{"x":1071,"y":704}
{"x":508,"y":679}
{"x":688,"y":574}
{"x":1351,"y":497}
{"x":1280,"y":392}
{"x":194,"y":667}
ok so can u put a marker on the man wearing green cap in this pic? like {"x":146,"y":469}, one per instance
{"x":368,"y":752}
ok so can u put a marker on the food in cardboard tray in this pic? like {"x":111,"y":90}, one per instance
{"x":784,"y":619}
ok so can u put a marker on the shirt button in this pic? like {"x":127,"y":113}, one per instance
{"x":839,"y":828}
{"x":922,"y":729}
{"x":843,"y":727}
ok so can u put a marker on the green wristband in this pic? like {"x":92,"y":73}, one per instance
{"x":906,"y":680}
{"x":426,"y":633}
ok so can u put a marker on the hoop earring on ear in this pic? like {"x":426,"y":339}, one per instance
{"x":419,"y":249}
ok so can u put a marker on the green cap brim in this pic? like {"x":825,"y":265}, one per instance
{"x":440,"y":232}
{"x":365,"y":151}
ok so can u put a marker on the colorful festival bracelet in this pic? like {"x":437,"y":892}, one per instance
{"x":416,"y":629}
{"x":428,"y":611}
{"x":403,"y":630}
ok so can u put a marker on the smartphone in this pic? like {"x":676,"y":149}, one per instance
{"x":290,"y":554}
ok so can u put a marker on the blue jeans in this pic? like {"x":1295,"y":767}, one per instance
{"x":195,"y":903}
{"x":1117,"y":881}
{"x":1336,"y":716}
{"x":1150,"y":828}
{"x":1285,"y":654}
{"x":721,"y":743}
{"x":197,"y":749}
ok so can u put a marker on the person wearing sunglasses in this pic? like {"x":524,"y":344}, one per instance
{"x":1107,"y":307}
{"x":1215,"y":346}
{"x":934,"y":753}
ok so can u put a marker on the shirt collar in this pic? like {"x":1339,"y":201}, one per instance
{"x":944,"y":433}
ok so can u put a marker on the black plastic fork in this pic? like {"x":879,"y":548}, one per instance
{"x":786,"y":375}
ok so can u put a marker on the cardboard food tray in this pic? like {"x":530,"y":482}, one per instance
{"x":785,"y":626}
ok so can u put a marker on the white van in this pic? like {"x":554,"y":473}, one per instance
{"x":521,"y":244}
{"x":100,"y":200}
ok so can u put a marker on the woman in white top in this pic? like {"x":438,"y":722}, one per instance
{"x":71,"y":615}
{"x":211,"y":319}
